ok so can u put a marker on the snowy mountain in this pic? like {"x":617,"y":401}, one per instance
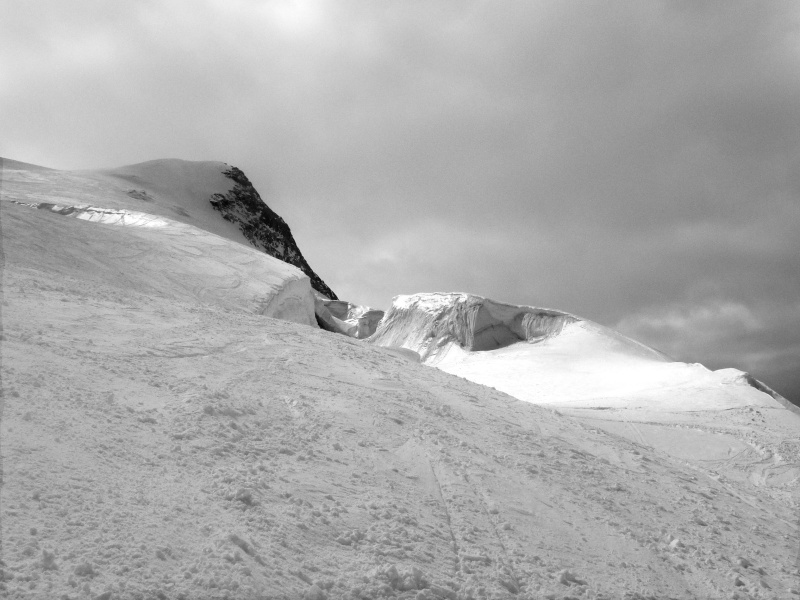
{"x":180,"y":185}
{"x":598,"y":376}
{"x":550,"y":357}
{"x":176,"y":424}
{"x":262,"y":227}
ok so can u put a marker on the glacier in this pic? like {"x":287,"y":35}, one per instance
{"x":546,"y":356}
{"x":341,"y":316}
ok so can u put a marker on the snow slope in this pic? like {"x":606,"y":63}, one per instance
{"x":162,"y":438}
{"x":176,"y":189}
{"x":161,"y":447}
{"x":150,"y":250}
{"x":737,"y":425}
{"x":549,"y":357}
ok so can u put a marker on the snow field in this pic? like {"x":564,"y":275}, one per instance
{"x":173,"y":259}
{"x":163,"y":437}
{"x":160,"y":448}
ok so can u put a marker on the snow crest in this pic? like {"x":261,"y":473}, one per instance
{"x":107,"y":216}
{"x":430,"y":324}
{"x":546,"y":356}
{"x":347,"y":318}
{"x":294,"y":301}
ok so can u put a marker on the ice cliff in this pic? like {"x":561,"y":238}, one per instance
{"x":552,"y":357}
{"x":429,"y":324}
{"x":347,"y":318}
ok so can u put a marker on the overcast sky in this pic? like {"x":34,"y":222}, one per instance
{"x":636,"y":163}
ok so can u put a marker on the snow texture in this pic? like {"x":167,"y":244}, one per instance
{"x":161,"y":438}
{"x":550,"y":357}
{"x":431,"y":324}
{"x":349,"y":319}
{"x":153,"y":249}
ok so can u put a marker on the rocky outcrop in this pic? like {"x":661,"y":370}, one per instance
{"x":262,"y":227}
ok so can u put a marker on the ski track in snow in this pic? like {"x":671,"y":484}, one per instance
{"x":156,"y":447}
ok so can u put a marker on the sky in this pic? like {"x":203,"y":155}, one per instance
{"x":636,"y":162}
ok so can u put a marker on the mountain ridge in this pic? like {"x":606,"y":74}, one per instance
{"x":515,"y":347}
{"x":477,"y":323}
{"x":263,"y":227}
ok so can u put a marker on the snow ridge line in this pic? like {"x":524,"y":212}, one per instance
{"x":263,"y":227}
{"x":96,"y":214}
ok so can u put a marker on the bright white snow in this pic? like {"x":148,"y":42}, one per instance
{"x":162,"y":438}
{"x":350,"y":319}
{"x":550,"y":357}
{"x":176,"y":255}
{"x":602,"y":378}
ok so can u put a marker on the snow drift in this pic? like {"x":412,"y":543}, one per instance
{"x":347,"y":318}
{"x":547,"y":356}
{"x":431,"y":324}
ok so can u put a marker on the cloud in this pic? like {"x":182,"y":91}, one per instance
{"x":703,"y":324}
{"x":763,"y":340}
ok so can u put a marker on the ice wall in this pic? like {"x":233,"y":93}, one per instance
{"x":347,"y":318}
{"x":427,"y":323}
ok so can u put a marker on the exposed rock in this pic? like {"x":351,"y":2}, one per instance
{"x":262,"y":227}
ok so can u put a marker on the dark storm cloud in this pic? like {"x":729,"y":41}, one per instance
{"x":627,"y":161}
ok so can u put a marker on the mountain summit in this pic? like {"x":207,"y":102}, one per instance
{"x":188,"y":187}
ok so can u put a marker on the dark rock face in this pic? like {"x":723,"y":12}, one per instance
{"x":262,"y":227}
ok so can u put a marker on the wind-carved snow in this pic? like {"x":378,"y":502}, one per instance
{"x":220,"y":271}
{"x":431,"y":324}
{"x":344,"y":317}
{"x":107,"y":216}
{"x":605,"y":380}
{"x":547,"y":356}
